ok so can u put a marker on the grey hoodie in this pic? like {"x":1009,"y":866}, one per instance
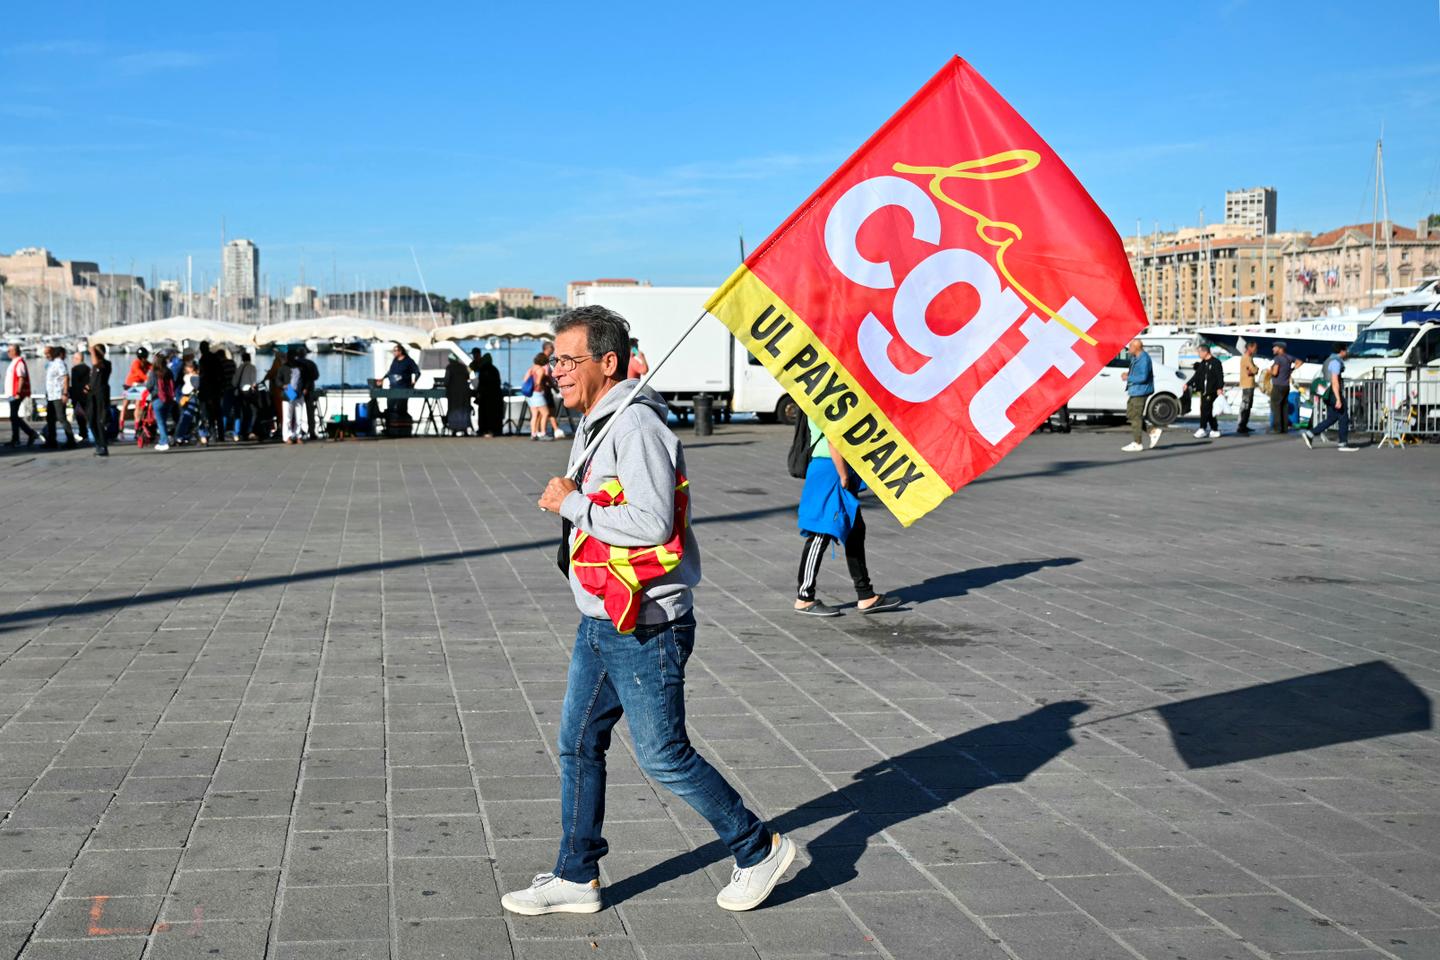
{"x":645,"y":455}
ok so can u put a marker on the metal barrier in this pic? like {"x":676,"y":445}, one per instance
{"x":1397,"y":405}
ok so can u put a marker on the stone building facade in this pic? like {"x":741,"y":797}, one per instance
{"x":1353,"y":268}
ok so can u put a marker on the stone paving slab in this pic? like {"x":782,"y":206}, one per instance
{"x":302,"y":703}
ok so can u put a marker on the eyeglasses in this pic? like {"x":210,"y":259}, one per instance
{"x":566,"y":364}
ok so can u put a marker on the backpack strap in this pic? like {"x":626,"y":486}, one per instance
{"x":562,"y":555}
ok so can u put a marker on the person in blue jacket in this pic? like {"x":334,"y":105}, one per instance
{"x":829,"y":513}
{"x":1139,"y":385}
{"x":403,"y":373}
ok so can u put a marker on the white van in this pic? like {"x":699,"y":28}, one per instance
{"x":710,"y":361}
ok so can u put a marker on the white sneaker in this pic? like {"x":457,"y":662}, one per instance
{"x":749,"y":886}
{"x":1201,"y":434}
{"x":162,"y":447}
{"x":1131,"y":447}
{"x":548,"y":893}
{"x":1155,"y":437}
{"x":1346,"y":448}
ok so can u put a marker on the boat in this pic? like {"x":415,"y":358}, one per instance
{"x":1311,"y":339}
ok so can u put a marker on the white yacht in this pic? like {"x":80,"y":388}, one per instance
{"x":1314,"y":339}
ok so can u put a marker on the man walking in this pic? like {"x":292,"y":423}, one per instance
{"x":1333,"y":394}
{"x":213,"y":384}
{"x":1207,"y":382}
{"x":1139,"y":385}
{"x":1248,"y":372}
{"x":57,"y":392}
{"x":292,"y":427}
{"x":309,"y":378}
{"x":1280,"y":370}
{"x":242,"y":411}
{"x":17,"y":390}
{"x":79,"y":389}
{"x":632,"y":496}
{"x":97,"y":399}
{"x":229,"y":370}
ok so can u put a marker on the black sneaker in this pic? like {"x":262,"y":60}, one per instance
{"x":818,"y":609}
{"x":883,"y":604}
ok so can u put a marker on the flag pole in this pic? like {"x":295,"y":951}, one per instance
{"x":634,"y":394}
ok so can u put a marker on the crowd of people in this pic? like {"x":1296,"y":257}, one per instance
{"x":539,"y":388}
{"x":174,"y":398}
{"x":169,"y":399}
{"x":1207,"y":383}
{"x":83,"y":388}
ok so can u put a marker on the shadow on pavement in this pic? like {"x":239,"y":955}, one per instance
{"x":889,"y":793}
{"x":1337,"y":706}
{"x":961,"y":582}
{"x":99,"y":604}
{"x":720,"y":443}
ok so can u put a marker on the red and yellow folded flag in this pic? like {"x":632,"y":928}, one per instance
{"x":617,"y":574}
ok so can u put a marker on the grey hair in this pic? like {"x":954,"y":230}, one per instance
{"x":605,"y":332}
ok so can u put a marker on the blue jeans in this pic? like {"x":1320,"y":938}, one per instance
{"x":242,"y":414}
{"x":161,"y":409}
{"x":1335,"y":415}
{"x":643,"y":677}
{"x":185,"y":423}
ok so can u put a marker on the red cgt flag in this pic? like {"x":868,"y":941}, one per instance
{"x":940,"y":295}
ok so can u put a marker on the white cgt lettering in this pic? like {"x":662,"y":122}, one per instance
{"x":948,"y":356}
{"x":854,"y":207}
{"x":1049,"y":344}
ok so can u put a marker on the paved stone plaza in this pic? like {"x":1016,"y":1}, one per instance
{"x":302,"y":703}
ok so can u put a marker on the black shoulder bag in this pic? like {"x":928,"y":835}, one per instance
{"x":801,"y":448}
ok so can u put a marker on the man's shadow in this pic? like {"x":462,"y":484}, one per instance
{"x":888,"y":793}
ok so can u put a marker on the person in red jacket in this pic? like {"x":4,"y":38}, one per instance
{"x":134,"y":382}
{"x":17,"y":389}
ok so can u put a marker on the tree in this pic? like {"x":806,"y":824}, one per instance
{"x":460,"y":311}
{"x":1434,"y":220}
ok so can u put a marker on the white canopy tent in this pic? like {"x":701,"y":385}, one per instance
{"x":503,"y":328}
{"x":508,"y":329}
{"x":174,"y":330}
{"x":340,"y":328}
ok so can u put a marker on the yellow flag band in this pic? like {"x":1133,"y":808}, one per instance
{"x":825,"y":390}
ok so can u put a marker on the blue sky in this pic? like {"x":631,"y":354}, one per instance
{"x":526,"y":145}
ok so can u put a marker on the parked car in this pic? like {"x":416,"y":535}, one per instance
{"x":1105,"y":395}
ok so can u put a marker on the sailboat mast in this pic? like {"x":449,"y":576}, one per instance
{"x":1374,"y":225}
{"x":1384,"y":209}
{"x":1264,"y":271}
